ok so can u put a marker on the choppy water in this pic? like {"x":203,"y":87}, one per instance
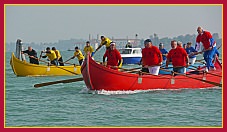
{"x":71,"y":105}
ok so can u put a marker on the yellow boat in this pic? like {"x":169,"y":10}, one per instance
{"x":23,"y":68}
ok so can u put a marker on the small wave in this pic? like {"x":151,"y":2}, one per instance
{"x":105,"y":92}
{"x":85,"y":90}
{"x":118,"y":92}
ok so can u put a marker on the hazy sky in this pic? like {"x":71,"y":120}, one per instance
{"x":41,"y":23}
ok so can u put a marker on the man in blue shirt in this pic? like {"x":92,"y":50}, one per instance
{"x":191,"y":53}
{"x":163,"y":51}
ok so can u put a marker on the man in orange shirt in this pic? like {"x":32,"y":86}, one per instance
{"x":113,"y":56}
{"x":179,"y":58}
{"x":151,"y":57}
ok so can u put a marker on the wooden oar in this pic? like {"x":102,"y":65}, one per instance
{"x":68,"y":60}
{"x":132,"y":69}
{"x":213,"y":83}
{"x":56,"y":82}
{"x":69,"y":63}
{"x":199,"y":60}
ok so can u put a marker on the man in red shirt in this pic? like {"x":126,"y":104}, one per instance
{"x":151,"y":57}
{"x":113,"y":56}
{"x":179,"y":58}
{"x":209,"y":47}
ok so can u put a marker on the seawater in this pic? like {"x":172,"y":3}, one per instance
{"x":72,"y":105}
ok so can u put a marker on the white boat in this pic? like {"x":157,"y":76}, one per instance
{"x":131,"y":55}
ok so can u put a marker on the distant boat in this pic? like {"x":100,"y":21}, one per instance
{"x":70,"y":50}
{"x":131,"y":55}
{"x":23,"y":68}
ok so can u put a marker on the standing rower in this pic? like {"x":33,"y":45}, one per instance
{"x":209,"y":45}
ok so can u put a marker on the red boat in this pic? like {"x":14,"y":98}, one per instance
{"x":99,"y":77}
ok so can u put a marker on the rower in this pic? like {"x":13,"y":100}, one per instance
{"x":179,"y":58}
{"x":113,"y":56}
{"x":151,"y":57}
{"x":79,"y":55}
{"x":209,"y":45}
{"x":51,"y":56}
{"x":58,"y":54}
{"x":163,"y":51}
{"x":104,"y":41}
{"x":88,"y":49}
{"x":32,"y":55}
{"x":191,"y":53}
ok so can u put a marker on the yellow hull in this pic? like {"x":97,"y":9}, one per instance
{"x":23,"y":68}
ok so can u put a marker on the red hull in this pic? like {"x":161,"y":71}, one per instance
{"x":98,"y":77}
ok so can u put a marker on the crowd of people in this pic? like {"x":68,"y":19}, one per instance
{"x":180,"y":55}
{"x":54,"y":55}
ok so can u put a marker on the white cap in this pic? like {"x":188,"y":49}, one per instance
{"x":112,"y":43}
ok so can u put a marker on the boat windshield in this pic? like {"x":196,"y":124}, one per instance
{"x":125,"y":51}
{"x":137,"y":51}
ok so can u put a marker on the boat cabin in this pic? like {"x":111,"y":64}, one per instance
{"x":130,"y":51}
{"x":131,"y":55}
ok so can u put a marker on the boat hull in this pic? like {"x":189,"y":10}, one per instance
{"x":98,"y":77}
{"x":131,"y":60}
{"x":23,"y":68}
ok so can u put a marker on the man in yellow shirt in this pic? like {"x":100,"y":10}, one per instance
{"x":51,"y":56}
{"x":105,"y":41}
{"x":79,"y":55}
{"x":57,"y":52}
{"x":88,"y":49}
